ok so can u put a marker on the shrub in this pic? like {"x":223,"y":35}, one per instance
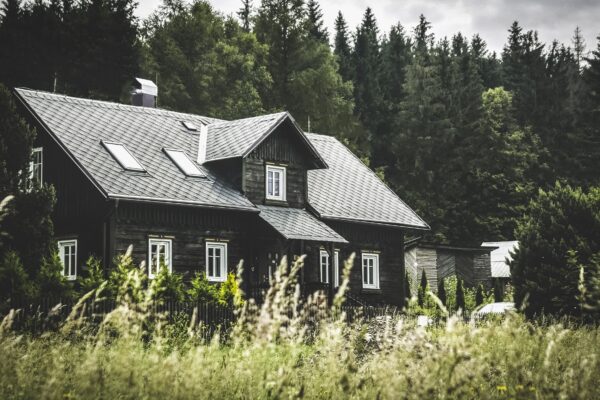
{"x":407,"y":290}
{"x":479,"y":295}
{"x":498,"y":291}
{"x":167,"y":286}
{"x":92,"y":275}
{"x":51,"y":282}
{"x":229,"y":290}
{"x":201,"y":290}
{"x":14,"y":281}
{"x":460,"y":295}
{"x":422,"y":290}
{"x":559,"y":233}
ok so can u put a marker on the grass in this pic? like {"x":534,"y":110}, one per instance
{"x":272,"y":353}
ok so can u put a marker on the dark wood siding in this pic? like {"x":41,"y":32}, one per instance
{"x":389,"y":243}
{"x":189,"y":229}
{"x":283,"y":147}
{"x":81,"y":210}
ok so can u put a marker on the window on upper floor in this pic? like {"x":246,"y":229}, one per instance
{"x":67,"y":252}
{"x":123,"y":157}
{"x":184,"y":163}
{"x":159,"y":256}
{"x":275,"y":183}
{"x":36,"y":167}
{"x":216,"y":261}
{"x":370,"y":270}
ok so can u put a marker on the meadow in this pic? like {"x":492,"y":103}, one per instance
{"x":278,"y":350}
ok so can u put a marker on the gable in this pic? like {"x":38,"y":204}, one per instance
{"x":284,"y":145}
{"x":239,"y":138}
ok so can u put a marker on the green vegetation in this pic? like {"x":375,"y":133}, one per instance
{"x":281,"y":350}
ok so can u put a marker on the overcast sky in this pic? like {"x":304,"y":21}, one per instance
{"x":553,"y":19}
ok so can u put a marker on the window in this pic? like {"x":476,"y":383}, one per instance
{"x":324,"y":266}
{"x":370,"y":270}
{"x":36,"y":166}
{"x":190,"y":126}
{"x":123,"y":157}
{"x":184,"y":163}
{"x":275,"y":183}
{"x":216,"y":261}
{"x":159,"y":256}
{"x":67,"y":251}
{"x":336,"y":268}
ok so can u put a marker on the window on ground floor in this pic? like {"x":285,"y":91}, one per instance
{"x":67,"y":251}
{"x":370,"y":270}
{"x":216,"y":261}
{"x":336,"y":268}
{"x":159,"y":256}
{"x":36,"y":168}
{"x":324,"y":266}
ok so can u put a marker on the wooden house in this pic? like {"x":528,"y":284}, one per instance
{"x":202,"y":194}
{"x":440,"y":261}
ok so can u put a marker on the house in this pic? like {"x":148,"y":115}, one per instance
{"x":200,"y":194}
{"x":501,"y":258}
{"x":440,"y":261}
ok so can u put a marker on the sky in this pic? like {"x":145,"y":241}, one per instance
{"x":553,"y":19}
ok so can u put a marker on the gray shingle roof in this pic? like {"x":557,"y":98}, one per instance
{"x":294,"y":223}
{"x":231,"y":139}
{"x":349,"y":190}
{"x":81,"y":124}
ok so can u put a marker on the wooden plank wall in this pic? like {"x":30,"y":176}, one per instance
{"x":427,"y":260}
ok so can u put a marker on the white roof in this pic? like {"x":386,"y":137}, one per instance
{"x":501,"y":257}
{"x":496,"y":308}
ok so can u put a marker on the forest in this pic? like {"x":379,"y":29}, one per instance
{"x":464,"y":135}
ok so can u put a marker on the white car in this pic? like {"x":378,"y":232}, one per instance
{"x":495,"y":308}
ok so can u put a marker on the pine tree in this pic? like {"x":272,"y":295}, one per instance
{"x":244,"y":14}
{"x":316,"y":27}
{"x":460,"y":295}
{"x":422,"y":290}
{"x":441,"y":294}
{"x":424,"y":283}
{"x":488,"y":66}
{"x":578,"y":46}
{"x":498,"y":291}
{"x":479,"y":295}
{"x":342,"y":48}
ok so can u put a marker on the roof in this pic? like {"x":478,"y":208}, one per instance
{"x":444,"y":246}
{"x":79,"y":125}
{"x":348,"y":190}
{"x":501,"y":257}
{"x":342,"y":189}
{"x":294,"y":223}
{"x":232,"y":139}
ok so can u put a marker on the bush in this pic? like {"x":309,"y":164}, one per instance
{"x":14,"y":281}
{"x":51,"y":282}
{"x":229,"y":290}
{"x":201,"y":290}
{"x":167,"y":286}
{"x":559,"y":233}
{"x":441,"y":294}
{"x":92,"y":275}
{"x":479,"y":295}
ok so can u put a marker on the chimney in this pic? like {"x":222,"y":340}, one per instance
{"x":144,"y":93}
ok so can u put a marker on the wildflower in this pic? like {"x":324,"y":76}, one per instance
{"x":501,"y":388}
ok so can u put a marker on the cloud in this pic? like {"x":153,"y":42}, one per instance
{"x":553,"y":19}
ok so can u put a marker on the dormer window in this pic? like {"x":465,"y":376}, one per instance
{"x":123,"y":157}
{"x":275,"y":183}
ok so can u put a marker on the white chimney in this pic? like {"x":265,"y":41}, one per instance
{"x":144,"y":93}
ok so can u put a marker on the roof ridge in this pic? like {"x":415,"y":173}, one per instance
{"x":111,"y":104}
{"x":242,"y":120}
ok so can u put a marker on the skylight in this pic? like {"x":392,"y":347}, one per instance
{"x":189,"y":125}
{"x":123,"y":157}
{"x":184,"y":163}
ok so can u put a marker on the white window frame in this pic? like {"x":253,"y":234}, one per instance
{"x":323,"y":263}
{"x":223,"y":259}
{"x":33,"y":180}
{"x":184,"y":163}
{"x":366,"y":256}
{"x":336,"y":268}
{"x":62,"y":245}
{"x":168,"y":243}
{"x":111,"y":147}
{"x":276,"y":169}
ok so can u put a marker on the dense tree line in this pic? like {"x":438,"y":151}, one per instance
{"x":466,"y":136}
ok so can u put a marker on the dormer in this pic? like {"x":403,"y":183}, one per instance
{"x":270,"y":155}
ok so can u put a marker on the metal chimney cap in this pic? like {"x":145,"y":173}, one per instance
{"x":146,"y":86}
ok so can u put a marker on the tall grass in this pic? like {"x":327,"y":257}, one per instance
{"x":279,"y":350}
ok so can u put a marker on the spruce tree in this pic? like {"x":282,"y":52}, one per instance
{"x":498,"y":291}
{"x":244,"y":14}
{"x":460,"y":295}
{"x":342,"y":48}
{"x":316,"y":27}
{"x":441,"y":294}
{"x":424,"y":283}
{"x":479,"y":294}
{"x":422,"y":290}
